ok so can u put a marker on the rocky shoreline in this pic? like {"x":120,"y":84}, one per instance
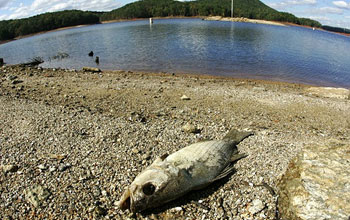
{"x":71,"y":141}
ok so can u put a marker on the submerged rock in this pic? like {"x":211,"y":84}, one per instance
{"x":316,"y":184}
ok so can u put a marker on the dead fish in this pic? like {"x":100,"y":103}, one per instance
{"x":191,"y":168}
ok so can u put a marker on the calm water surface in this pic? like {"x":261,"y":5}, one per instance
{"x":246,"y":50}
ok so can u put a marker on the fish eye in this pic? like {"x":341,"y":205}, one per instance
{"x":148,"y":189}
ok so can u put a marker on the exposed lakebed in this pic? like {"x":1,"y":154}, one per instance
{"x":245,"y":50}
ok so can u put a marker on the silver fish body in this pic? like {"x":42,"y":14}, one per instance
{"x":191,"y":168}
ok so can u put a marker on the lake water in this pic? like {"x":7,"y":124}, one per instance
{"x":245,"y":50}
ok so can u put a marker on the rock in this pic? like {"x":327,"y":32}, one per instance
{"x":11,"y":77}
{"x":97,"y":60}
{"x":189,"y":128}
{"x":64,"y":167}
{"x":329,"y":92}
{"x":42,"y":167}
{"x":185,"y":98}
{"x":96,"y":191}
{"x":1,"y":61}
{"x":177,"y":209}
{"x":135,"y":151}
{"x":146,"y":156}
{"x":99,"y":211}
{"x":91,"y":69}
{"x":91,"y":54}
{"x":316,"y":184}
{"x":104,"y":193}
{"x":15,"y":82}
{"x":36,"y":195}
{"x":256,"y":206}
{"x":9,"y":168}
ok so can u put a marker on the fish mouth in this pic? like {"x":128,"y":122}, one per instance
{"x":126,"y":201}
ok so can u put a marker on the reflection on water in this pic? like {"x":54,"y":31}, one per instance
{"x":195,"y":46}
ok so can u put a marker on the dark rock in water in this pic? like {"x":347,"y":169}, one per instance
{"x":97,"y":60}
{"x":316,"y":184}
{"x":1,"y":61}
{"x":91,"y":54}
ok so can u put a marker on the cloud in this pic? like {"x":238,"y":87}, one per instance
{"x":3,"y":3}
{"x":42,"y":6}
{"x":326,"y":10}
{"x":288,"y":3}
{"x":341,"y":4}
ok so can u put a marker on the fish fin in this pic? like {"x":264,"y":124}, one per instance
{"x":229,"y":168}
{"x":237,"y":157}
{"x":225,"y":172}
{"x":160,"y":159}
{"x":237,"y":136}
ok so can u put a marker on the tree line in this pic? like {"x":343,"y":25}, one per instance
{"x":11,"y":29}
{"x":336,"y":29}
{"x":253,"y":9}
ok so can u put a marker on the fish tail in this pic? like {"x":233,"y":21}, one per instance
{"x":237,"y":136}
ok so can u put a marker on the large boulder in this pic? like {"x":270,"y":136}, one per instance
{"x":316,"y":184}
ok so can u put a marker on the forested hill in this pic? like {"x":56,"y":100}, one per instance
{"x":255,"y":9}
{"x":49,"y":21}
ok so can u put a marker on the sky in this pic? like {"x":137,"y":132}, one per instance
{"x":328,"y":12}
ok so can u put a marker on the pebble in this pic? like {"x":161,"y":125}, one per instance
{"x":135,"y":151}
{"x":185,"y":98}
{"x":9,"y":168}
{"x":146,"y":156}
{"x":64,"y":167}
{"x":42,"y":167}
{"x":11,"y":77}
{"x":189,"y":128}
{"x":36,"y":195}
{"x":178,"y":209}
{"x":256,"y":206}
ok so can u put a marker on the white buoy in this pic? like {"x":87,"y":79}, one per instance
{"x":150,"y":20}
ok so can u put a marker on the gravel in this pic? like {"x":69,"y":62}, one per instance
{"x":71,"y":141}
